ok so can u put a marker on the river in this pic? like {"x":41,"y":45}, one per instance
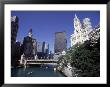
{"x":36,"y":71}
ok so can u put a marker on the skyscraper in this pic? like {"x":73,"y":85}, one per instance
{"x":14,"y":29}
{"x":14,"y":45}
{"x":42,"y":49}
{"x":29,"y":45}
{"x":60,"y":42}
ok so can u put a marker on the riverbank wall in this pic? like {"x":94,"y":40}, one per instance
{"x":67,"y":71}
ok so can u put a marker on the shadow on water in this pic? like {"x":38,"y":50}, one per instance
{"x":36,"y":71}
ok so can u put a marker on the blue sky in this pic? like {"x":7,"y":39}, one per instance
{"x":44,"y":24}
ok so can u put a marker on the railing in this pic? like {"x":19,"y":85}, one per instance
{"x":39,"y":61}
{"x":43,"y":60}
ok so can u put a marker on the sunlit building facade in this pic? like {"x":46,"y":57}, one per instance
{"x":81,"y":30}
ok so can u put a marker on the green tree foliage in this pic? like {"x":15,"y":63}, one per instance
{"x":85,"y":57}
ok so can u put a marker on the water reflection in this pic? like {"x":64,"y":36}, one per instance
{"x":36,"y":71}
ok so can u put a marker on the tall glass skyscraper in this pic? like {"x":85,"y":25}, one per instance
{"x":60,"y":42}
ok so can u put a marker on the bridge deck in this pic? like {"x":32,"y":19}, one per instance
{"x":38,"y":63}
{"x":41,"y":61}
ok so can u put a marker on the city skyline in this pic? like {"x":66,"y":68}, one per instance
{"x":44,"y":24}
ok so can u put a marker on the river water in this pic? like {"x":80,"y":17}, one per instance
{"x":36,"y":71}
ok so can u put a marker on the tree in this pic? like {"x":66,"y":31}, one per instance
{"x":85,"y":57}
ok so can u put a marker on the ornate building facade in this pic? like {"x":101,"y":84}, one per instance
{"x":29,"y":45}
{"x":81,"y":30}
{"x":94,"y":35}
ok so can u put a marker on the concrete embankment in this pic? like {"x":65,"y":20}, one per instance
{"x":66,"y":71}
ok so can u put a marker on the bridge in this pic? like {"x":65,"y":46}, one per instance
{"x":38,"y":61}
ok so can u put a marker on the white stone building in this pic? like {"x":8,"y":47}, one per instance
{"x":94,"y":35}
{"x":81,"y":30}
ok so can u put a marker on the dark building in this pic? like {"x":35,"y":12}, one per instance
{"x":29,"y":46}
{"x":14,"y":45}
{"x":14,"y":29}
{"x":60,"y":42}
{"x":16,"y":54}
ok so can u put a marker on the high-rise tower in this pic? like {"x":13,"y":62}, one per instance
{"x":14,"y":29}
{"x":60,"y":42}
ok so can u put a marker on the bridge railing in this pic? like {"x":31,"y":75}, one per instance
{"x":39,"y":61}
